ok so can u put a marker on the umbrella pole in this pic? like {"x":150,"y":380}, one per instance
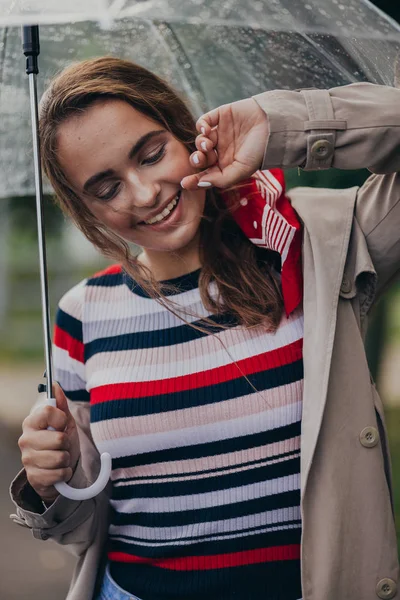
{"x":31,"y":48}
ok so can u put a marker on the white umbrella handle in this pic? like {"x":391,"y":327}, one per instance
{"x":31,"y":49}
{"x":93,"y":490}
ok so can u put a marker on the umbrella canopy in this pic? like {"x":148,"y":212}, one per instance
{"x":212,"y":51}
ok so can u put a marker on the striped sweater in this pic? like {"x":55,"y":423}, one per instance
{"x":206,"y":484}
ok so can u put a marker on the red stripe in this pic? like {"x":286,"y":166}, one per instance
{"x":218,"y":561}
{"x":248,"y":366}
{"x":111,"y":270}
{"x":65,"y":341}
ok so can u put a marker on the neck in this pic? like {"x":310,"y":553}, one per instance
{"x":169,"y":265}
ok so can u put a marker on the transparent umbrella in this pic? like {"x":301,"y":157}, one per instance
{"x":212,"y":51}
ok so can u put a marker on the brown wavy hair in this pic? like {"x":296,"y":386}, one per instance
{"x":244,"y":275}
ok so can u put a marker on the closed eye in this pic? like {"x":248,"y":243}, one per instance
{"x":109,"y":192}
{"x":155,"y":157}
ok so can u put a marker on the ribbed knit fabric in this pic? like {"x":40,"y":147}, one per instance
{"x":206,"y":484}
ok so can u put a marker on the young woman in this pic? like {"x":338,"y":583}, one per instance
{"x":236,"y":474}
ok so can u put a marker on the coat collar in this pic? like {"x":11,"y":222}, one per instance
{"x":327,"y":216}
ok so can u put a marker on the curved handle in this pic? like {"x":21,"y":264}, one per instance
{"x":93,"y":490}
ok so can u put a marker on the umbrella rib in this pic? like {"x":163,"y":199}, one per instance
{"x":191,"y":76}
{"x":3,"y":56}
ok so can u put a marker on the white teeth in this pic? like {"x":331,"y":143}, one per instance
{"x":162,"y":215}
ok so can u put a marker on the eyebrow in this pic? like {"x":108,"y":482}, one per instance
{"x":132,"y":153}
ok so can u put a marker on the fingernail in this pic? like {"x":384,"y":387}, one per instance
{"x":203,"y":130}
{"x":182,"y":186}
{"x":195,"y":159}
{"x":204,"y":184}
{"x":204,"y":146}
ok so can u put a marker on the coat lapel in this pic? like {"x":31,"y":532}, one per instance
{"x":327,"y":216}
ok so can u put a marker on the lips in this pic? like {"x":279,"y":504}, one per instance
{"x":161,"y":208}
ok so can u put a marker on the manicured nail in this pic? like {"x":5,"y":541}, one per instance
{"x":204,"y":184}
{"x":203,"y":130}
{"x":204,"y":146}
{"x":182,"y":186}
{"x":195,"y":159}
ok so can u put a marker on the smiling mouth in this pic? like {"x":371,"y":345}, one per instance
{"x":165,"y":213}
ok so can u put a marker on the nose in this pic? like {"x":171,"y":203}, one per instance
{"x":142,"y":191}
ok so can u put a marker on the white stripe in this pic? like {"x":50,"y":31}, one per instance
{"x":285,"y":250}
{"x":229,"y":526}
{"x":127,"y":304}
{"x":162,"y":318}
{"x":73,"y":301}
{"x":190,"y":357}
{"x":170,"y":504}
{"x":209,"y":539}
{"x":271,"y":178}
{"x":62,"y":360}
{"x":264,"y":463}
{"x":68,"y":380}
{"x":224,"y":430}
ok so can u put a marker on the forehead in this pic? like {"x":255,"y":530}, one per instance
{"x":97,"y":137}
{"x":100,"y":119}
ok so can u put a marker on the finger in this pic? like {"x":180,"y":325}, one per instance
{"x":61,"y":399}
{"x":44,"y":417}
{"x":199,"y":160}
{"x":191,"y":182}
{"x":47,"y":459}
{"x":63,"y":405}
{"x":42,"y":479}
{"x":213,"y":176}
{"x":44,"y":440}
{"x":205,"y":144}
{"x":207,"y":121}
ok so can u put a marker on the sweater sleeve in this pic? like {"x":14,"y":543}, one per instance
{"x":71,"y":523}
{"x":68,"y":345}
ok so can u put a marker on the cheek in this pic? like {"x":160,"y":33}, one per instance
{"x":109,"y":217}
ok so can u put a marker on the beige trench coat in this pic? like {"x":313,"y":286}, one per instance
{"x":351,"y":252}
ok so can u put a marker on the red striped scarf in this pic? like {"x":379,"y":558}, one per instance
{"x":267,"y":218}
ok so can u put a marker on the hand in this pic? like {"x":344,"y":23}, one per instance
{"x":49,"y":456}
{"x":230,"y":146}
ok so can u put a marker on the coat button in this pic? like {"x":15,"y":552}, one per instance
{"x":322,"y":149}
{"x":346,"y":285}
{"x":369,"y":437}
{"x":386,"y":588}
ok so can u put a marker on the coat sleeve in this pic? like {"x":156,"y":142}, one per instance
{"x":71,"y":523}
{"x":350,"y":127}
{"x":74,"y":524}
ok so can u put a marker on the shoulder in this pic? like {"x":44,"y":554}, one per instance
{"x":73,"y":301}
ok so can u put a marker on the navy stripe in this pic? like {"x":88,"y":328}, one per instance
{"x":158,"y":338}
{"x":184,"y":283}
{"x":218,"y":392}
{"x":205,"y":471}
{"x":213,"y":513}
{"x":69,"y":324}
{"x":277,"y":580}
{"x":257,"y":538}
{"x":207,"y":484}
{"x":78,"y":395}
{"x":106,"y":280}
{"x":210,"y":448}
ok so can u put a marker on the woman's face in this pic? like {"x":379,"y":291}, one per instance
{"x":127,"y":169}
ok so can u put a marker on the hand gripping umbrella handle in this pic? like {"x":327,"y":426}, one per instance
{"x":31,"y":49}
{"x":93,"y":490}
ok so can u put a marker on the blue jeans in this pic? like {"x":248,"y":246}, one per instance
{"x":111,"y":591}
